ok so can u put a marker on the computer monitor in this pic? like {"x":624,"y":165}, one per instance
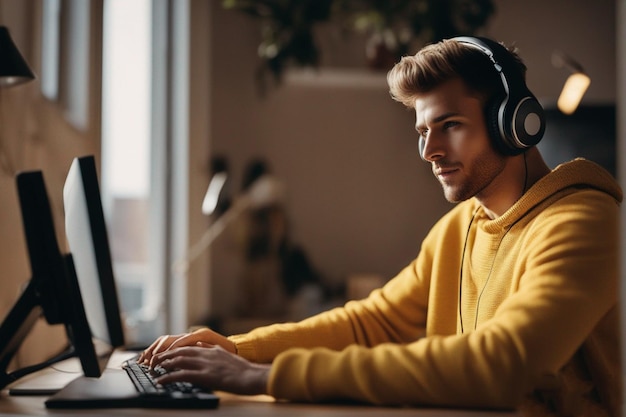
{"x":75,"y":289}
{"x":52,"y":289}
{"x":87,"y":237}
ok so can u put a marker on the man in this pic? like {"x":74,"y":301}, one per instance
{"x":512,"y":300}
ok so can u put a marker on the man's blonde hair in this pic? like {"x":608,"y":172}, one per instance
{"x":437,"y":63}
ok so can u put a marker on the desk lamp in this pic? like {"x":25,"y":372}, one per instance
{"x":13,"y":71}
{"x":263,"y":192}
{"x":13,"y":68}
{"x":575,"y":86}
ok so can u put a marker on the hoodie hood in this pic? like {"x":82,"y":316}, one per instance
{"x":579,"y":173}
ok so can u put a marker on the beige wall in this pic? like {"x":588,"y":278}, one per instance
{"x":359,"y":198}
{"x":36,"y":136}
{"x":582,"y":29}
{"x":200,"y":118}
{"x":620,"y":16}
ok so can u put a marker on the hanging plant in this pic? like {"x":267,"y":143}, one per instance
{"x":286,"y":31}
{"x":398,"y":27}
{"x":394,"y":27}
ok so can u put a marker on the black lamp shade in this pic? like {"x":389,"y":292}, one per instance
{"x":13,"y":68}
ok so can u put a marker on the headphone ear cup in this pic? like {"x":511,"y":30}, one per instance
{"x":492,"y":121}
{"x":529,"y":125}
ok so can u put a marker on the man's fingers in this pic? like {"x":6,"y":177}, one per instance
{"x":196,"y":377}
{"x":212,"y":367}
{"x":185,"y":340}
{"x":180,"y":363}
{"x":187,"y":366}
{"x":147,"y":354}
{"x":185,"y":351}
{"x":204,"y":337}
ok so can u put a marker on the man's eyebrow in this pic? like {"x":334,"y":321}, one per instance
{"x":445,"y":116}
{"x":439,"y":118}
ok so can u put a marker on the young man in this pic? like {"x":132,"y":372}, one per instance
{"x":512,"y":300}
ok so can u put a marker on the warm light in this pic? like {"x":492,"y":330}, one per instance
{"x":575,"y":87}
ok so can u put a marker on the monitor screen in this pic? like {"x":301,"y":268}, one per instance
{"x":88,"y":243}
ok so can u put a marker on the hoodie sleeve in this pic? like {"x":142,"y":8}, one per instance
{"x":569,"y":284}
{"x":369,"y":322}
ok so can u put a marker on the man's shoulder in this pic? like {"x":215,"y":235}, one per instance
{"x":583,"y":201}
{"x":583,"y":174}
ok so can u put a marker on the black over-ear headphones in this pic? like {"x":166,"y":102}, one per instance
{"x":515,"y":121}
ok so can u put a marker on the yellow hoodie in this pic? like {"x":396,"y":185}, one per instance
{"x":530,"y":322}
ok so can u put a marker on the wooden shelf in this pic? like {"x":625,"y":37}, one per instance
{"x":337,"y":78}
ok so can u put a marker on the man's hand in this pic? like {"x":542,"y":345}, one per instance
{"x":213,"y":368}
{"x":204,"y":337}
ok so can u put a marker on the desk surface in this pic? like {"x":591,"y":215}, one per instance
{"x":235,"y":406}
{"x":230,"y":405}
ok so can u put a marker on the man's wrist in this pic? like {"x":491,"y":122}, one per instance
{"x":261,"y":378}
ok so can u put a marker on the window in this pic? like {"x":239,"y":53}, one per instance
{"x":127,"y":191}
{"x":65,"y":57}
{"x":144,"y":159}
{"x":50,"y":49}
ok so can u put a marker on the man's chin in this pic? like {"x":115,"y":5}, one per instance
{"x":454,"y":196}
{"x":452,"y":199}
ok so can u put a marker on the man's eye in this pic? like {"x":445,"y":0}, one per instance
{"x":450,"y":123}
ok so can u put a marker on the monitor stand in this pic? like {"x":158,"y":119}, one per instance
{"x":16,"y":327}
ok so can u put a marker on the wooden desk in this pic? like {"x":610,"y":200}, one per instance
{"x":230,"y":405}
{"x":236,"y":406}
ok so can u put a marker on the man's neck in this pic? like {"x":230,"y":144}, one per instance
{"x":521,"y":173}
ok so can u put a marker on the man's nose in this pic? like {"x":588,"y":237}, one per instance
{"x":431,"y":147}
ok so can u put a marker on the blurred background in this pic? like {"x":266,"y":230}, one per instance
{"x":173,"y":96}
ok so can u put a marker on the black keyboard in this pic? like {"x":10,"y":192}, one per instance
{"x":134,"y":388}
{"x":144,"y":379}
